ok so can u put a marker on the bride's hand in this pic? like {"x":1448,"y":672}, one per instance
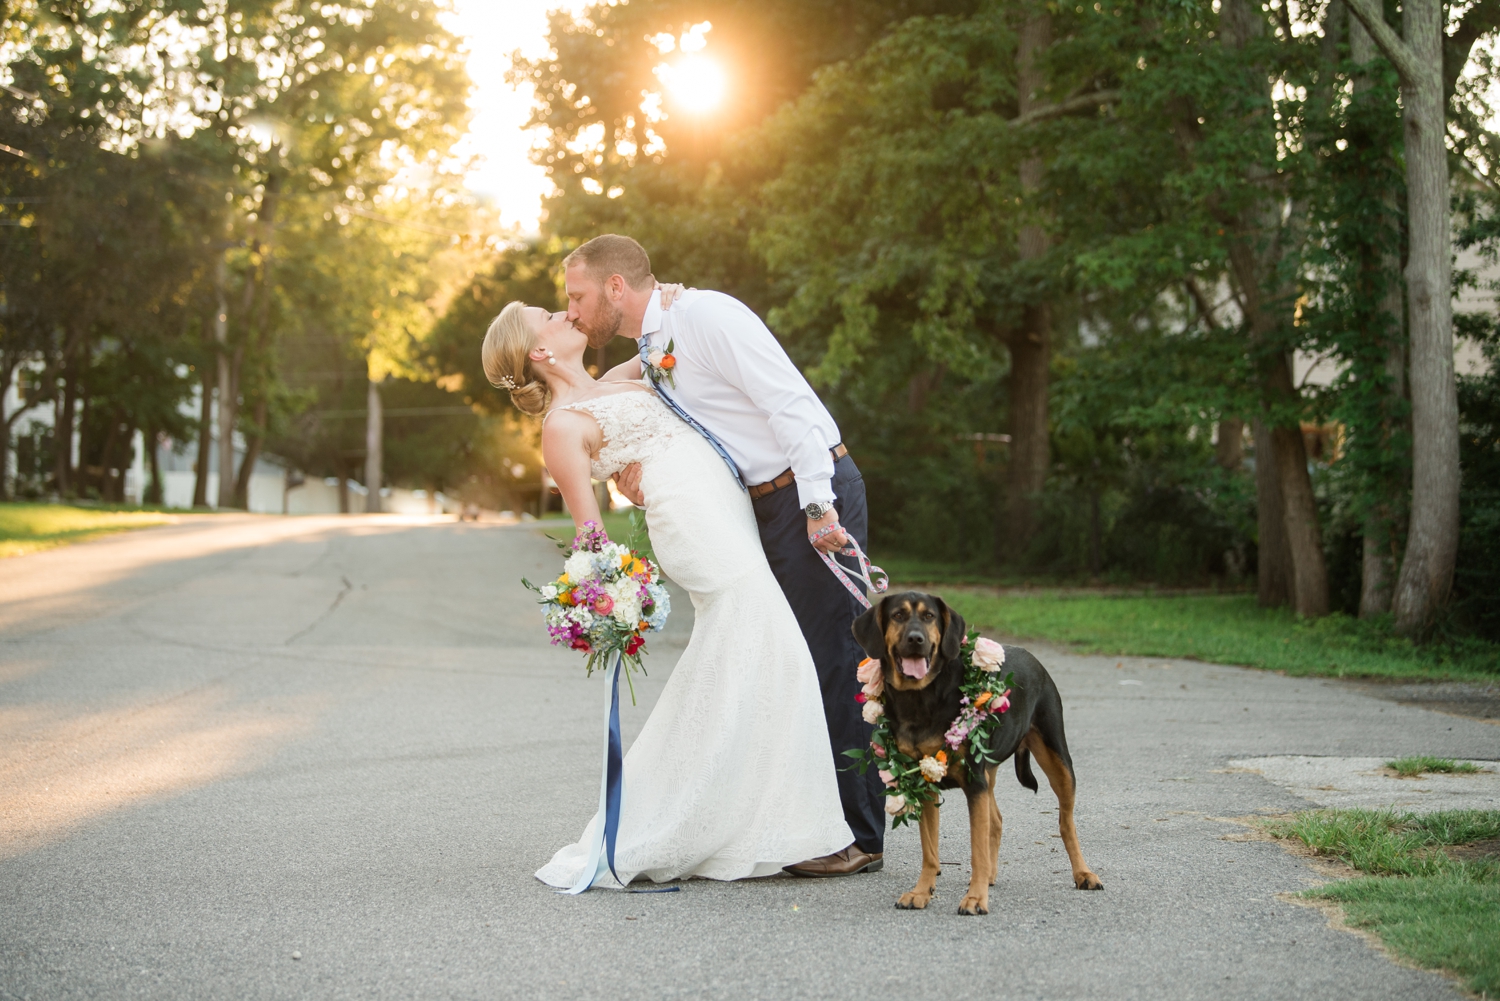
{"x":670,"y":293}
{"x":628,"y":482}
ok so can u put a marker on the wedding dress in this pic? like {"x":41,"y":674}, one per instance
{"x":732,"y":775}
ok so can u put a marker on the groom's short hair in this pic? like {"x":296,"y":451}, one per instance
{"x":612,"y":254}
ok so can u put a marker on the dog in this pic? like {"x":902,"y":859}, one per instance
{"x":915,"y":629}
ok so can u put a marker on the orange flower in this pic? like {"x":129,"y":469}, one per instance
{"x":942,"y":757}
{"x":643,"y":625}
{"x":565,"y":597}
{"x":983,"y":698}
{"x":668,"y":362}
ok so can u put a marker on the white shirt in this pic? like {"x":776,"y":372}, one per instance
{"x":734,"y":378}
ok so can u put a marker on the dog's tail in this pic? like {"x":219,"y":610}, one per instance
{"x":1023,"y":769}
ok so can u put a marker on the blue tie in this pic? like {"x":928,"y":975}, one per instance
{"x":676,"y":408}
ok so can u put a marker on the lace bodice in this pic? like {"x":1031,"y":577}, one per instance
{"x":636,"y":425}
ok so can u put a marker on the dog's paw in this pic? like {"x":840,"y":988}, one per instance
{"x":916,"y":900}
{"x":973,"y":904}
{"x":1087,"y":881}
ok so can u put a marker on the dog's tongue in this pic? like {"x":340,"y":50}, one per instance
{"x":914,"y":667}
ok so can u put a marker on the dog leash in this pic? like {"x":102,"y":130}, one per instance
{"x":875,"y":579}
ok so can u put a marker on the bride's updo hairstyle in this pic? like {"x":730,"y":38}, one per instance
{"x":506,"y":365}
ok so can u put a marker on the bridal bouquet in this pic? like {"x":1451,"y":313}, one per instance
{"x":606,"y":600}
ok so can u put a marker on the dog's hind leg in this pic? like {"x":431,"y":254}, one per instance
{"x":981,"y":852}
{"x":996,"y":824}
{"x":918,"y":897}
{"x":1061,"y":778}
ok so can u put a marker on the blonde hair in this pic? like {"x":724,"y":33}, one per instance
{"x":506,"y":346}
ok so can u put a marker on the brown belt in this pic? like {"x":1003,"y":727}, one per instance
{"x":787,"y":478}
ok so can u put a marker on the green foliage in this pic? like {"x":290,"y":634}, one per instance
{"x":1410,"y":767}
{"x":1228,"y":629}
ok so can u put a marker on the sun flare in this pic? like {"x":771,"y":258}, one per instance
{"x":695,"y":82}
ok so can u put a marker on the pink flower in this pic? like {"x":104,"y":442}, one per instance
{"x":868,"y":670}
{"x":887,"y":777}
{"x":861,"y":698}
{"x":604,"y":604}
{"x":1002,"y":703}
{"x":988,"y":655}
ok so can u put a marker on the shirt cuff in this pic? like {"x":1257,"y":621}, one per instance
{"x":814,"y":491}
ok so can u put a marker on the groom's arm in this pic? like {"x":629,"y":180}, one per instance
{"x":748,"y":356}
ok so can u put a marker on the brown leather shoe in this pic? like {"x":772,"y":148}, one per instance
{"x":844,"y":863}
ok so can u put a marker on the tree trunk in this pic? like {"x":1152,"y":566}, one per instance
{"x":62,"y":428}
{"x":1273,"y":561}
{"x":1299,"y":516}
{"x":1381,"y":531}
{"x":374,"y":432}
{"x":1426,"y":575}
{"x":205,"y":439}
{"x":1031,"y":345}
{"x":228,"y":392}
{"x":252,"y":454}
{"x":1229,"y":450}
{"x":154,"y":491}
{"x":1256,"y":250}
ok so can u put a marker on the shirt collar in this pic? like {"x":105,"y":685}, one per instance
{"x":651,"y":322}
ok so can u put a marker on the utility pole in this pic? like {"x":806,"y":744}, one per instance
{"x":226,"y":387}
{"x":374,"y":433}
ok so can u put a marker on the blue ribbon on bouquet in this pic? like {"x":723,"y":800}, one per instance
{"x":611,"y":795}
{"x":611,"y":788}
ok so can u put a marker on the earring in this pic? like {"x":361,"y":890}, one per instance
{"x":550,"y":360}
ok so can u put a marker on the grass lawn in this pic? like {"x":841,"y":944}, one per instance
{"x":27,"y":528}
{"x":1224,"y":629}
{"x":1434,"y":909}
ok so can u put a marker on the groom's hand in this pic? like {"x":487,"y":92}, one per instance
{"x":628,"y":482}
{"x":834,"y":540}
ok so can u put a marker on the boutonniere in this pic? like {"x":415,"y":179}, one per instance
{"x":659,"y":364}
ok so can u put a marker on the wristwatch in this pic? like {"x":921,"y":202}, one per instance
{"x":816,"y":510}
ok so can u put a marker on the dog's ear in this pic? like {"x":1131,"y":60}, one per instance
{"x":869,"y":630}
{"x":954,"y":630}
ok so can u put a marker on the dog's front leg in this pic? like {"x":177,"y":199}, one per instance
{"x":981,"y":852}
{"x":923,"y":892}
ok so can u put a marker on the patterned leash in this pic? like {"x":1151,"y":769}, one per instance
{"x":875,"y":579}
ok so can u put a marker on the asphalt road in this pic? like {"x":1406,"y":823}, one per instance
{"x":234,"y":742}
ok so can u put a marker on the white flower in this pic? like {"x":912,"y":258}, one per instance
{"x":988,"y":655}
{"x":933,"y":770}
{"x":894,"y":804}
{"x":549,"y":592}
{"x":580,"y":566}
{"x":627,"y":597}
{"x":873,"y":711}
{"x":654,"y":357}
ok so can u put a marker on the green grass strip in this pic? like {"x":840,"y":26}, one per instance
{"x":28,"y":528}
{"x":1225,"y":629}
{"x":1439,"y":922}
{"x":1422,"y":764}
{"x":1436,"y":911}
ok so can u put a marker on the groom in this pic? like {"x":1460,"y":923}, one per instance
{"x":733,"y":381}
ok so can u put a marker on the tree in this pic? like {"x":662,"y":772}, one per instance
{"x":1432,"y":538}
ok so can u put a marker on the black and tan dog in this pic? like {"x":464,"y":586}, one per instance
{"x":917,"y":638}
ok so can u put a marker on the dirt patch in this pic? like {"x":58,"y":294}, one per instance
{"x":1453,"y":698}
{"x":1476,"y":851}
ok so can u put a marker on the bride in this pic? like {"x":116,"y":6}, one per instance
{"x":732,"y":775}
